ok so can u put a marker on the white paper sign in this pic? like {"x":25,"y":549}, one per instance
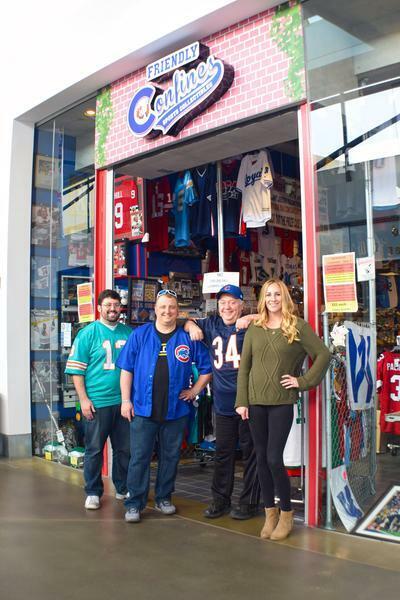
{"x":365,"y":268}
{"x":213,"y":282}
{"x":66,"y":335}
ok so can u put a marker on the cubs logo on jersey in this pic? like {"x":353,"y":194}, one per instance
{"x":182,"y":353}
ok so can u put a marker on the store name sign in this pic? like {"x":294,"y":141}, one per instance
{"x":154,"y":110}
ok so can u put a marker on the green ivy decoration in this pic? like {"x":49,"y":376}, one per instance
{"x":286,"y":31}
{"x":104,"y":117}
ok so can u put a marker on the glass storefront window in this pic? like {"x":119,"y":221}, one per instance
{"x":61,"y":257}
{"x":354,"y":88}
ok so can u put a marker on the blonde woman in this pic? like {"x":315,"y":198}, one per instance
{"x":274,"y":350}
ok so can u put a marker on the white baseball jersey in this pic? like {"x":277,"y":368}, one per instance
{"x":255,"y":182}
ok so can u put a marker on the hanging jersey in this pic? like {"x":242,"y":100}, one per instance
{"x":386,"y":291}
{"x":269,"y":246}
{"x":225,"y":346}
{"x":203,"y":214}
{"x":231,"y":198}
{"x":126,"y":200}
{"x":388,"y":386}
{"x":94,"y":353}
{"x":255,"y":183}
{"x":159,"y":202}
{"x":184,"y":196}
{"x":258,"y":275}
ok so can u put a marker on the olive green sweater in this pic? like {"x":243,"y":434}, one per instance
{"x":267,"y":355}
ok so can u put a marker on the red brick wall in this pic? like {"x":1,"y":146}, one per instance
{"x":259,"y":85}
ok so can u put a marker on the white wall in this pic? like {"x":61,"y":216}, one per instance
{"x":51,"y":55}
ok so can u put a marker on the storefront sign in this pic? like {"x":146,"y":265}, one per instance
{"x":154,"y":110}
{"x":339,"y":274}
{"x":85,"y":302}
{"x":213,"y":282}
{"x":360,"y":365}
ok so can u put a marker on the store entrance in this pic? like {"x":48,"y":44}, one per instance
{"x":172,"y":226}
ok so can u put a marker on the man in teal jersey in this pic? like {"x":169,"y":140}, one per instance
{"x":96,"y":379}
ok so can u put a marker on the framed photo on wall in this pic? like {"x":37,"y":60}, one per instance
{"x":47,"y":172}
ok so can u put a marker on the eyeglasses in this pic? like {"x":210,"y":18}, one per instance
{"x":109,"y":305}
{"x":165,"y":292}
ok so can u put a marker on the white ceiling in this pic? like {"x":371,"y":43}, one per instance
{"x":274,"y":131}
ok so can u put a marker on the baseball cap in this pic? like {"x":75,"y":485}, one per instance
{"x":232,"y":290}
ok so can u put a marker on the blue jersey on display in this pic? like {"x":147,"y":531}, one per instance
{"x":204,"y":213}
{"x":184,"y":196}
{"x":225,"y":346}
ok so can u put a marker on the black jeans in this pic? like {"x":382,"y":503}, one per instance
{"x":229,"y":431}
{"x":107,"y":421}
{"x":270,"y":427}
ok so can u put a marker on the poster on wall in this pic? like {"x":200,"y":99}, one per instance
{"x":339,"y":277}
{"x":45,"y":225}
{"x":47,"y":172}
{"x":44,"y":329}
{"x":44,"y":277}
{"x":360,"y":364}
{"x":343,"y":498}
{"x":383,"y":521}
{"x":44,"y":381}
{"x":80,"y":250}
{"x":128,"y":208}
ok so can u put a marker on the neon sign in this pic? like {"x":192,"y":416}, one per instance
{"x":154,"y":110}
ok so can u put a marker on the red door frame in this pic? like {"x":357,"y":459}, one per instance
{"x":312,"y":308}
{"x":311,"y":302}
{"x":100,"y":242}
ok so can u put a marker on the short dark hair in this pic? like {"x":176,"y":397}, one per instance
{"x":108,"y":294}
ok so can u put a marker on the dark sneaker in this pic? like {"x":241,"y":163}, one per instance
{"x":244,"y":512}
{"x":132,"y":515}
{"x":166,"y":507}
{"x":214,"y":511}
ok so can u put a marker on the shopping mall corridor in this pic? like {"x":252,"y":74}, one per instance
{"x":51,"y":548}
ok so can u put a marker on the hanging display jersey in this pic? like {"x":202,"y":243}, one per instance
{"x":255,"y":183}
{"x":291,"y":270}
{"x":203,"y":214}
{"x":126,"y":203}
{"x":159,"y":202}
{"x":388,"y":386}
{"x":386,"y":291}
{"x":184,"y":196}
{"x":269,"y":246}
{"x":231,"y":197}
{"x":94,"y":353}
{"x":225,"y":346}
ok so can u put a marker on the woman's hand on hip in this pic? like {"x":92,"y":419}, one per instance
{"x":243,"y":411}
{"x":288,"y":382}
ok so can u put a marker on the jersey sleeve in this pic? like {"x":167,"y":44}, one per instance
{"x":266,"y":176}
{"x":190,"y":191}
{"x":127,"y":357}
{"x":201,"y":358}
{"x":241,"y":175}
{"x":78,"y":358}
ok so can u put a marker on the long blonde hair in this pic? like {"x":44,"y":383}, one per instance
{"x":289,"y":319}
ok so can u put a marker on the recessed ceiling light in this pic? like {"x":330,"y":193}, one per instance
{"x":89,"y":112}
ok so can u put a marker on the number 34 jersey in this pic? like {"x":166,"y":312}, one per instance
{"x":225,"y":345}
{"x":388,"y":384}
{"x":93,"y":355}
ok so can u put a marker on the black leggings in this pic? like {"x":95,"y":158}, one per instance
{"x":270,"y":427}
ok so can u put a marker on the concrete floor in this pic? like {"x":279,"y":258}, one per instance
{"x":50,"y":547}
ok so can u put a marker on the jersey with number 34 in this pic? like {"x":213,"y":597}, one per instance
{"x":388,"y":384}
{"x":225,"y":346}
{"x":93,"y":355}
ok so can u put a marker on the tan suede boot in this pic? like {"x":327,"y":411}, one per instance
{"x":284,"y":527}
{"x":271,"y":521}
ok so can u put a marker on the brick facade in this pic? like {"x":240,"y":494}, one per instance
{"x":261,"y":68}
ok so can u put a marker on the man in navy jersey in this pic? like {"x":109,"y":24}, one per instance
{"x":225,"y":342}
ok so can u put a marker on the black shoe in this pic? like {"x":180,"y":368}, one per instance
{"x":214,"y":511}
{"x":246,"y":511}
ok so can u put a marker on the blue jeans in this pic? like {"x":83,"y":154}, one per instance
{"x":106,"y":422}
{"x":144,"y":433}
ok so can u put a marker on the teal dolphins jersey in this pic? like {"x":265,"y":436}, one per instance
{"x":93,"y":355}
